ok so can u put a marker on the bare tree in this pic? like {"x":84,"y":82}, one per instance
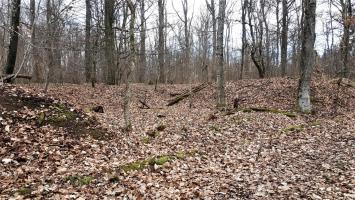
{"x":131,"y":66}
{"x":284,"y":35}
{"x":219,"y":54}
{"x":211,"y":7}
{"x":15,"y":22}
{"x":143,"y":60}
{"x":346,"y":15}
{"x":88,"y":47}
{"x":161,"y":53}
{"x":244,"y":37}
{"x":307,"y":54}
{"x":110,"y":72}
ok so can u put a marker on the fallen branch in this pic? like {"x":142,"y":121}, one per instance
{"x":345,"y":82}
{"x":144,"y":104}
{"x":11,"y":77}
{"x":270,"y":110}
{"x":186,"y":94}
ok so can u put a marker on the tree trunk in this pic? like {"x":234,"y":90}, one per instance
{"x":88,"y":46}
{"x":15,"y":22}
{"x":161,"y":56}
{"x":37,"y":69}
{"x":110,"y":72}
{"x":307,"y":54}
{"x":219,"y":54}
{"x":211,"y":7}
{"x":345,"y":40}
{"x":143,"y":61}
{"x":244,"y":38}
{"x":132,"y":56}
{"x":284,"y":36}
{"x":49,"y":44}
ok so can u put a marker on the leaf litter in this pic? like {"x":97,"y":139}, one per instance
{"x":193,"y":151}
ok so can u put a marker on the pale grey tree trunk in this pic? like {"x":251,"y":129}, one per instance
{"x":307,"y":55}
{"x":221,"y":101}
{"x":130,"y":67}
{"x":244,"y":37}
{"x":49,"y":44}
{"x":212,"y":9}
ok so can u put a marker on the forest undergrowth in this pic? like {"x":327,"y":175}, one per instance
{"x":56,"y":147}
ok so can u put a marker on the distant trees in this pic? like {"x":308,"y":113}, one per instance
{"x":307,"y":54}
{"x":14,"y":34}
{"x":171,"y":47}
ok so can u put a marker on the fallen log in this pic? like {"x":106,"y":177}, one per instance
{"x":186,"y":94}
{"x":10,"y":77}
{"x":346,"y":82}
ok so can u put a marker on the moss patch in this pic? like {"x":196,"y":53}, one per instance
{"x":270,"y":110}
{"x":24,"y":191}
{"x":156,"y":160}
{"x":79,"y":180}
{"x":215,"y":128}
{"x":293,"y":128}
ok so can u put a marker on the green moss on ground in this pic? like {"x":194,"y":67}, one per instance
{"x":24,"y":191}
{"x":156,"y":160}
{"x":79,"y":180}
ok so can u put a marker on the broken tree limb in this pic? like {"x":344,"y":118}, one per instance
{"x":186,"y":94}
{"x":11,"y":77}
{"x":144,"y":104}
{"x":346,"y":82}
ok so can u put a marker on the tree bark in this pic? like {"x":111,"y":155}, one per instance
{"x":143,"y":61}
{"x":284,"y":36}
{"x":132,"y":56}
{"x":15,"y":22}
{"x":37,"y":68}
{"x":244,"y":38}
{"x":161,"y":55}
{"x":88,"y":46}
{"x":219,"y":54}
{"x":110,"y":74}
{"x":212,"y":8}
{"x":307,"y":54}
{"x":346,"y":12}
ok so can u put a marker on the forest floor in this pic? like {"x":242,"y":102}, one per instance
{"x":55,"y":147}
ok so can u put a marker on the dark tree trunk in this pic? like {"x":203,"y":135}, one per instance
{"x":88,"y":54}
{"x":110,"y":74}
{"x":284,"y":36}
{"x":15,"y":22}
{"x":143,"y":61}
